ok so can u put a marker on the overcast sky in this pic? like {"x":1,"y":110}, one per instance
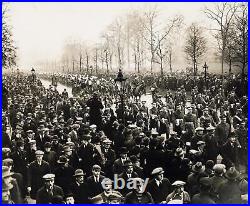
{"x":40,"y":29}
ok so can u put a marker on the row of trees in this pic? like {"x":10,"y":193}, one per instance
{"x":135,"y":40}
{"x":140,"y":40}
{"x":9,"y":50}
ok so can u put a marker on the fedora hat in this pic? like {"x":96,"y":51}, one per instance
{"x":79,"y":172}
{"x":198,"y":168}
{"x":232,"y":173}
{"x":62,"y":160}
{"x":6,"y":172}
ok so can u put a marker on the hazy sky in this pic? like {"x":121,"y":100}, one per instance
{"x":40,"y":29}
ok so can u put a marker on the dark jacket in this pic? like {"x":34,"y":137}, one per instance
{"x":35,"y":174}
{"x":80,"y":192}
{"x":132,"y":198}
{"x":64,"y":177}
{"x":159,"y":193}
{"x":43,"y":197}
{"x":94,"y":188}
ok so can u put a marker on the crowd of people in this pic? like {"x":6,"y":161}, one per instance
{"x":188,"y":146}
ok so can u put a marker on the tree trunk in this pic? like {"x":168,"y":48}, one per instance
{"x":87,"y":62}
{"x":161,"y":59}
{"x":135,"y":62}
{"x":80,"y":63}
{"x":170,"y":62}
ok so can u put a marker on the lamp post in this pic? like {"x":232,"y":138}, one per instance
{"x":120,"y":82}
{"x":33,"y":74}
{"x":205,"y":68}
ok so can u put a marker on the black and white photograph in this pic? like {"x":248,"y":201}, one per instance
{"x":125,"y":102}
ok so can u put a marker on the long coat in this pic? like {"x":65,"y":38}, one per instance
{"x":159,"y":193}
{"x":35,"y":174}
{"x":124,"y":176}
{"x":89,"y":156}
{"x":43,"y":197}
{"x":64,"y":177}
{"x":94,"y":188}
{"x":80,"y":192}
{"x":230,"y":192}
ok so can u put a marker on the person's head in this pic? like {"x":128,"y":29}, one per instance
{"x":107,"y":143}
{"x":69,"y":199}
{"x":107,"y":185}
{"x":199,"y":131}
{"x":55,"y":140}
{"x":33,"y":145}
{"x":49,"y":180}
{"x":129,"y":168}
{"x":96,"y":170}
{"x":47,"y":146}
{"x":39,"y":155}
{"x":20,"y":144}
{"x":5,"y":192}
{"x":178,"y":186}
{"x":67,"y":151}
{"x":79,"y":176}
{"x":139,"y":185}
{"x":7,"y":176}
{"x":158,"y":173}
{"x":223,"y":119}
{"x":232,"y":138}
{"x":124,"y":153}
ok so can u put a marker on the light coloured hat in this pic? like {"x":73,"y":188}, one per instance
{"x":158,"y":170}
{"x":39,"y":152}
{"x":48,"y":176}
{"x":199,"y":129}
{"x":178,"y":183}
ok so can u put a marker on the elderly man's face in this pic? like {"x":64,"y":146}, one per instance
{"x":39,"y":158}
{"x":49,"y":183}
{"x":80,"y":179}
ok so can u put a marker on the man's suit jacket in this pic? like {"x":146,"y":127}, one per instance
{"x":94,"y":188}
{"x":43,"y":197}
{"x":159,"y":193}
{"x":124,"y":176}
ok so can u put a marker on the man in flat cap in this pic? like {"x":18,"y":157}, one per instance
{"x":37,"y":169}
{"x":159,"y":187}
{"x":94,"y":182}
{"x":87,"y":154}
{"x":46,"y":193}
{"x":108,"y":157}
{"x":127,"y":175}
{"x":179,"y":195}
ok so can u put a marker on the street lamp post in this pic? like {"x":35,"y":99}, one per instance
{"x":120,"y":82}
{"x":205,"y":68}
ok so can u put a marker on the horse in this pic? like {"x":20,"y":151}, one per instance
{"x":138,"y":91}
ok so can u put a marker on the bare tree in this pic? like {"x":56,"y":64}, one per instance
{"x":195,"y":46}
{"x":240,"y":46}
{"x":9,"y":55}
{"x":164,"y":38}
{"x":222,"y":15}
